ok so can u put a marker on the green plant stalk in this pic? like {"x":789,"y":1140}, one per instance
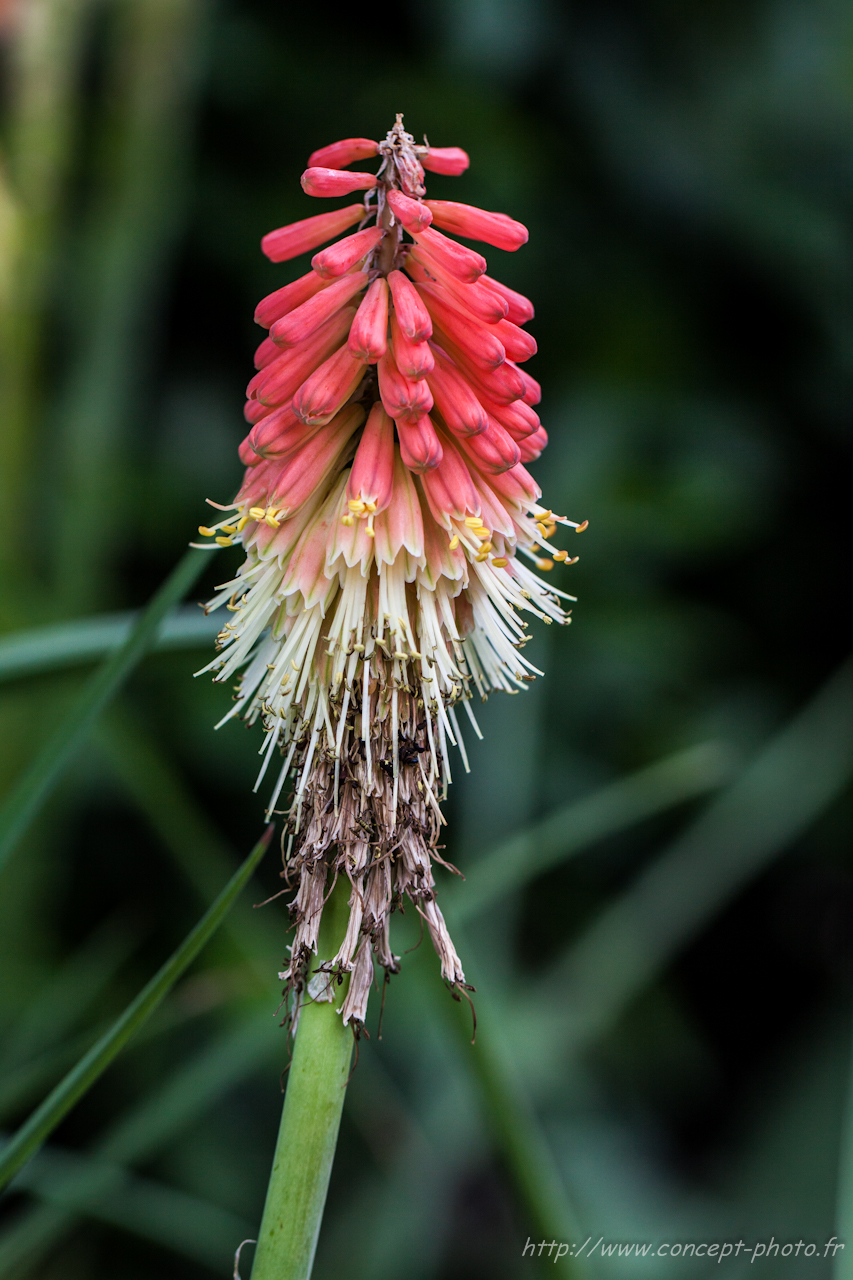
{"x":308,"y":1135}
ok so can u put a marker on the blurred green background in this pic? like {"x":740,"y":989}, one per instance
{"x":659,"y":904}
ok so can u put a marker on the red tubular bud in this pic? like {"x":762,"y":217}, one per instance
{"x":492,"y":450}
{"x":278,"y":304}
{"x":328,"y":388}
{"x":338,"y":258}
{"x":334,"y":182}
{"x":413,"y":359}
{"x":503,"y":385}
{"x":420,"y":447}
{"x":478,"y":342}
{"x":276,"y":384}
{"x":412,"y":214}
{"x":401,"y":396}
{"x":487,"y":305}
{"x":368,"y":336}
{"x":288,"y":242}
{"x":246,"y":454}
{"x":300,"y":323}
{"x":532,"y":446}
{"x":278,"y":433}
{"x":449,"y":489}
{"x":517,"y":418}
{"x":532,"y":390}
{"x":517,"y":344}
{"x":449,"y":160}
{"x":478,"y":224}
{"x":455,"y":401}
{"x":266,"y":353}
{"x":372,"y":475}
{"x":462,"y":263}
{"x":339,"y":154}
{"x":412,"y":315}
{"x":520,"y":308}
{"x":253,"y":410}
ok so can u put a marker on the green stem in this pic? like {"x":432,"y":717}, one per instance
{"x":305,"y":1150}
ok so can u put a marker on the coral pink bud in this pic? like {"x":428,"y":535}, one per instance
{"x":478,"y":342}
{"x":454,"y":399}
{"x":520,"y":308}
{"x":277,"y":304}
{"x":372,"y":477}
{"x":412,"y":214}
{"x":478,"y":224}
{"x":420,"y":447}
{"x":412,"y":315}
{"x":532,"y":391}
{"x":300,"y":323}
{"x":339,"y":154}
{"x":368,"y":336}
{"x":503,"y":385}
{"x":449,"y":160}
{"x":454,"y":258}
{"x":531,"y":447}
{"x":338,"y":258}
{"x":276,"y":383}
{"x":517,"y":344}
{"x":493,"y":450}
{"x":450,"y":491}
{"x":246,"y":454}
{"x":277,"y":433}
{"x":329,"y":387}
{"x":517,"y":418}
{"x":293,"y":481}
{"x":413,"y":359}
{"x":288,"y":242}
{"x":253,"y":410}
{"x":402,"y":397}
{"x":484,"y":303}
{"x":266,"y":353}
{"x":334,"y":182}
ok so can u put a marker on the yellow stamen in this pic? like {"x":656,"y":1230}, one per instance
{"x":225,"y":542}
{"x":560,"y":555}
{"x":257,"y":513}
{"x":581,"y":527}
{"x":454,"y":542}
{"x":482,"y":534}
{"x":545,"y":565}
{"x":370,"y":507}
{"x":544,"y":516}
{"x":228,"y":528}
{"x":473,"y":522}
{"x":500,"y":562}
{"x":348,"y":520}
{"x":481,"y":556}
{"x":356,"y":506}
{"x":271,"y":518}
{"x":208,"y":533}
{"x":369,"y":529}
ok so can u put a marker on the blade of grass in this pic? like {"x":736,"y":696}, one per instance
{"x":69,"y":644}
{"x":39,"y":779}
{"x":81,"y":1078}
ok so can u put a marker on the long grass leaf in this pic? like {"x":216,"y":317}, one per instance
{"x":39,"y":779}
{"x":60,"y":1101}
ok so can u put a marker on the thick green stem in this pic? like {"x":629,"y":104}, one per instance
{"x":296,"y":1195}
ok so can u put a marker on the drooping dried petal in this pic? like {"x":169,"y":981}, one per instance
{"x":329,"y":387}
{"x":420,"y":447}
{"x":300,"y":323}
{"x":454,"y":398}
{"x":335,"y":182}
{"x":277,"y":304}
{"x":487,"y":305}
{"x":372,"y":476}
{"x":338,"y":258}
{"x":368,"y":336}
{"x":449,"y":160}
{"x":413,"y":359}
{"x":403,"y":397}
{"x":288,"y":242}
{"x":477,"y":341}
{"x":339,"y":154}
{"x":412,"y":214}
{"x":493,"y":450}
{"x":412,"y":315}
{"x":454,"y":258}
{"x":520,"y":308}
{"x":478,"y":224}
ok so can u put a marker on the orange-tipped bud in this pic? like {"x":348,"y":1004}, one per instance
{"x":335,"y":182}
{"x":517,"y":344}
{"x":449,"y":160}
{"x":328,"y":388}
{"x":413,"y":215}
{"x":478,"y":224}
{"x":477,"y":341}
{"x":532,"y":446}
{"x":403,"y":397}
{"x":299,"y":237}
{"x":520,"y":308}
{"x":276,"y":384}
{"x":413,"y":359}
{"x":493,"y":450}
{"x":464,"y":264}
{"x":456,"y":402}
{"x":278,"y":304}
{"x":487,"y":305}
{"x":420,"y":447}
{"x":372,"y":475}
{"x":339,"y":154}
{"x":338,"y":258}
{"x":300,"y":323}
{"x":412,"y":315}
{"x":368,"y":336}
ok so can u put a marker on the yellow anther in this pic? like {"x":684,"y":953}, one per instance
{"x":550,"y":531}
{"x":207,"y":533}
{"x":257,"y":513}
{"x":454,"y":541}
{"x":416,"y":655}
{"x":500,"y":562}
{"x":561,"y":555}
{"x":545,"y":565}
{"x":348,"y":520}
{"x":228,"y":528}
{"x":485,"y":548}
{"x":399,"y":653}
{"x":293,"y":664}
{"x":544,"y":516}
{"x":356,"y":506}
{"x":481,"y":556}
{"x":482,"y":534}
{"x":473,"y":522}
{"x":534,"y":547}
{"x":271,"y":518}
{"x":225,"y":542}
{"x":581,"y":527}
{"x":370,"y":507}
{"x":573,"y":560}
{"x":241,"y":523}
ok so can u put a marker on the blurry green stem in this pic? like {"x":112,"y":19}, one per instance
{"x":305,"y":1150}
